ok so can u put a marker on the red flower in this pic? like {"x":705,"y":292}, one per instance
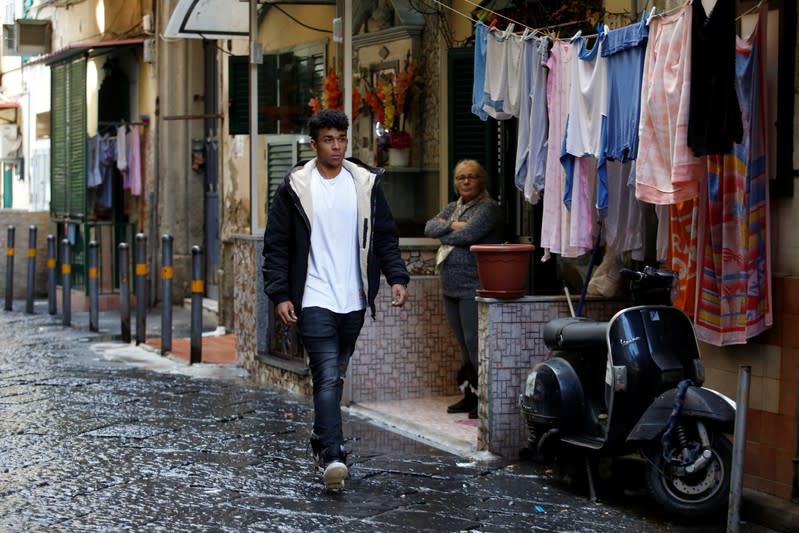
{"x":399,"y":139}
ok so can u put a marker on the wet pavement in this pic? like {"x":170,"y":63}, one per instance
{"x":100,"y":435}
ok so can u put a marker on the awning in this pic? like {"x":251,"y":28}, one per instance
{"x":209,"y":19}
{"x":91,"y":48}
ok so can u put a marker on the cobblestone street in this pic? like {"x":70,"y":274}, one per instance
{"x":100,"y":435}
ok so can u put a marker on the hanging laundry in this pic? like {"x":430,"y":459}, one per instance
{"x":134,"y":161}
{"x":625,"y":49}
{"x":624,"y":226}
{"x":734,"y":301}
{"x":122,"y":148}
{"x":93,"y":176}
{"x":531,"y":146}
{"x":714,"y":121}
{"x":556,"y":219}
{"x":497,"y":85}
{"x":667,"y":171}
{"x":581,"y":220}
{"x":480,"y":40}
{"x":107,"y":156}
{"x":683,"y":240}
{"x":586,"y":123}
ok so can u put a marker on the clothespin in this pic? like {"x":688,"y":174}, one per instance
{"x":480,"y":19}
{"x":651,"y":14}
{"x":576,"y":36}
{"x":492,"y":24}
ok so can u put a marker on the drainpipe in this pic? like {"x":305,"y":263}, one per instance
{"x":256,"y":56}
{"x":795,"y":490}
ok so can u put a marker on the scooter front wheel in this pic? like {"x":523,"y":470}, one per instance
{"x":700,"y":494}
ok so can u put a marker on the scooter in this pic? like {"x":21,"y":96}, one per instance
{"x":634,"y":384}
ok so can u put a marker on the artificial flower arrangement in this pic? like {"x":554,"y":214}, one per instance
{"x":332,"y":96}
{"x":387,"y":99}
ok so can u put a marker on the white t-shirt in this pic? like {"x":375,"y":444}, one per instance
{"x":334,"y":278}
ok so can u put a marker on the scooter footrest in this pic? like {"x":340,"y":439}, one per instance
{"x":575,"y":333}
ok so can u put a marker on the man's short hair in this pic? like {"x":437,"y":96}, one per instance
{"x":327,"y":118}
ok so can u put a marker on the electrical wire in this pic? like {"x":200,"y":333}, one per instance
{"x":276,"y":6}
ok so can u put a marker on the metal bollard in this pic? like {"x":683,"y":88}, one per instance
{"x":31,"y":269}
{"x":124,"y":291}
{"x":66,"y":281}
{"x":167,"y":273}
{"x":197,"y":291}
{"x":141,"y":287}
{"x":51,"y":275}
{"x":94,"y":298}
{"x":10,"y":268}
{"x":738,"y":447}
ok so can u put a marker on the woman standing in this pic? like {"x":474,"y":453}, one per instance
{"x":474,"y":218}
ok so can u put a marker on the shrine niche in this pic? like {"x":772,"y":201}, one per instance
{"x":387,"y":81}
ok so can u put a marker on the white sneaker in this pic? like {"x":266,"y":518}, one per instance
{"x":335,"y":474}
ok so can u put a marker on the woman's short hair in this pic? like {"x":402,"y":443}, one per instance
{"x":473,"y":163}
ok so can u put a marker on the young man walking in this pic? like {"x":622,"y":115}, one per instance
{"x":329,"y":235}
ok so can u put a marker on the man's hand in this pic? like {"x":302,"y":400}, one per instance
{"x":285,"y":312}
{"x":398,"y":295}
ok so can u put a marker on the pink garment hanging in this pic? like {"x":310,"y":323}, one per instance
{"x":134,"y":161}
{"x":556,"y":219}
{"x":667,"y":170}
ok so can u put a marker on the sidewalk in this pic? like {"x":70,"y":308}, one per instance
{"x":217,"y":345}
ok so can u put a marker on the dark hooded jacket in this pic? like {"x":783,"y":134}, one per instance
{"x":287,"y":239}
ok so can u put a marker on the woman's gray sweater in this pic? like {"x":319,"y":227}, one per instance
{"x":483,"y":226}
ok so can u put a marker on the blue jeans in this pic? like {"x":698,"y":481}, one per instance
{"x":329,"y":338}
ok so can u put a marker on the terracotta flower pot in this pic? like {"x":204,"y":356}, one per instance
{"x":502,"y":269}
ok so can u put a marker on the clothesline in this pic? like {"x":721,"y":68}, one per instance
{"x":545,"y":29}
{"x":120,"y":123}
{"x":541,"y":30}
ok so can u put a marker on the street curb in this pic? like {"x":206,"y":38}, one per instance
{"x":770,"y":511}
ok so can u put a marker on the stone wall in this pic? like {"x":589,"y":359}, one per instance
{"x":22,"y":221}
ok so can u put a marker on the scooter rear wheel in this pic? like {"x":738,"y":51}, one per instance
{"x":702,"y":494}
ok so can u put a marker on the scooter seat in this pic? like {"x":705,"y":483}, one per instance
{"x":575,"y":333}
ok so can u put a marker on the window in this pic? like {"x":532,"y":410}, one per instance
{"x":43,"y":125}
{"x":286,"y":81}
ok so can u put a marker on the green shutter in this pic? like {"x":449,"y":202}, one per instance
{"x":239,"y":91}
{"x":68,"y":140}
{"x":282,"y":152}
{"x":8,"y":186}
{"x":58,"y":143}
{"x":76,"y":139}
{"x":469,"y":137}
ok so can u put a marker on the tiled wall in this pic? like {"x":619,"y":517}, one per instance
{"x":407,"y":352}
{"x":510,"y":345}
{"x":771,"y":433}
{"x":404,"y":353}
